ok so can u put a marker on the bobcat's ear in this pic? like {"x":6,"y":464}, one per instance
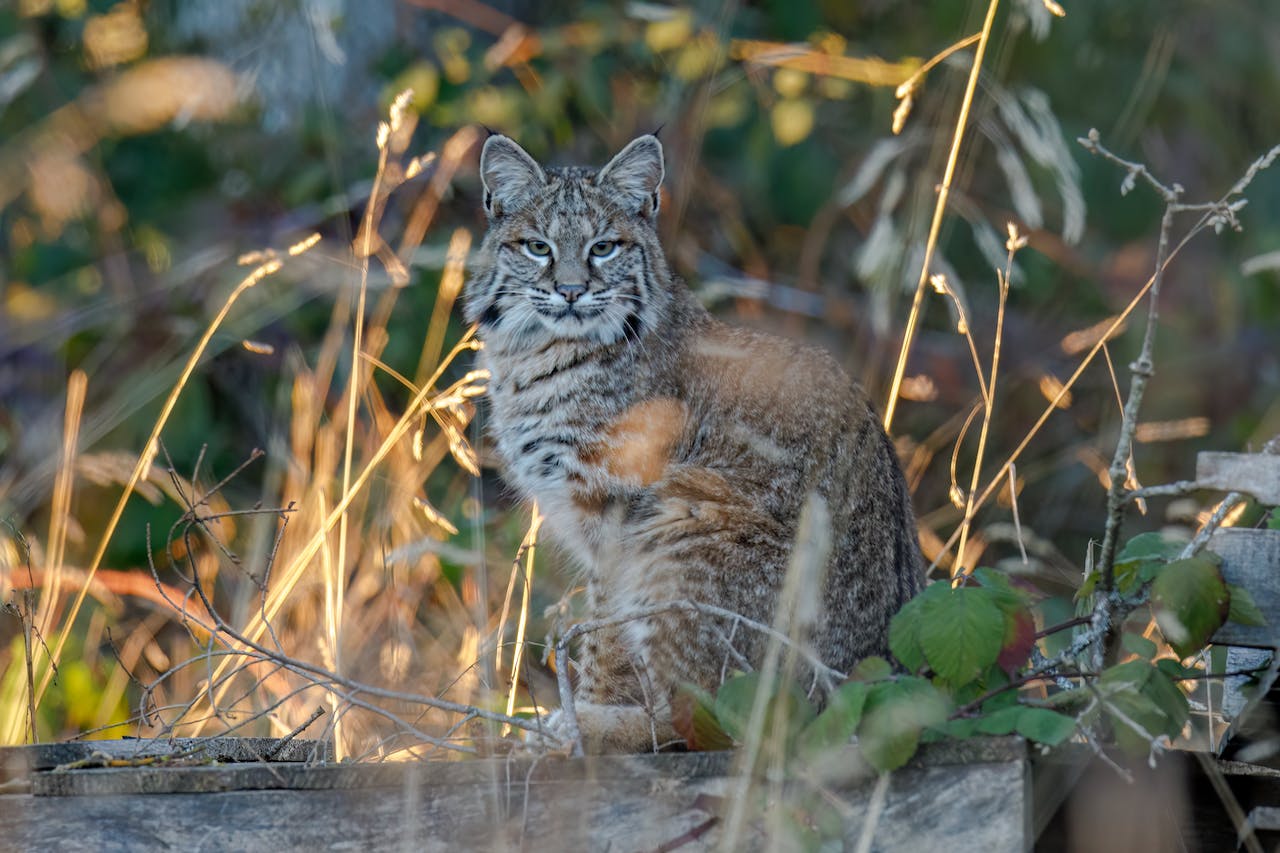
{"x":509,"y":174}
{"x":636,"y":174}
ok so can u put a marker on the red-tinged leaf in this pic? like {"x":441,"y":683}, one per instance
{"x":694,"y":719}
{"x":1019,"y":639}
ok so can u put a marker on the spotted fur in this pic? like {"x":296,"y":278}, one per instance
{"x":670,"y":453}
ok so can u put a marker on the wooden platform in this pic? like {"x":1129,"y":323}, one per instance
{"x":958,"y":797}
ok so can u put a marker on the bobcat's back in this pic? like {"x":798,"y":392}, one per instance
{"x":671,"y":454}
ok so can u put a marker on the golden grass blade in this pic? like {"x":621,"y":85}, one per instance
{"x":944,"y":192}
{"x":77,"y":385}
{"x":353,"y":391}
{"x":450,"y":286}
{"x":287,"y":579}
{"x":530,"y":549}
{"x":144,"y":463}
{"x":1003,"y":279}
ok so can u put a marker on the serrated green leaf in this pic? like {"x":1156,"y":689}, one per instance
{"x":734,"y":701}
{"x":1150,"y":571}
{"x":838,"y":721}
{"x":1138,"y":645}
{"x":904,"y":636}
{"x":1190,"y":602}
{"x":959,"y":729}
{"x":1141,"y":559}
{"x":1128,"y":708}
{"x":896,"y":712}
{"x":736,"y":698}
{"x":1171,"y":701}
{"x":1045,"y":726}
{"x":1007,"y":598}
{"x":874,"y":668}
{"x":1175,"y":670}
{"x":1002,"y":722}
{"x":1001,"y":700}
{"x":1147,"y":696}
{"x":961,"y":633}
{"x":1244,"y":610}
{"x":1149,"y":546}
{"x":1129,"y":675}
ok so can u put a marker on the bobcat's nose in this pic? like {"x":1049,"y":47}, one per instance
{"x":571,"y":292}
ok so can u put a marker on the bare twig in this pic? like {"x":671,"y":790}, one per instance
{"x":1178,"y":489}
{"x":569,"y":715}
{"x":275,"y":750}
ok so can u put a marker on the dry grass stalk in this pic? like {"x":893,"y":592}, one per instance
{"x":944,"y":192}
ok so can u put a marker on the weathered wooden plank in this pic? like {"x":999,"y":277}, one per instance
{"x":1251,"y":559}
{"x":1256,"y":474}
{"x":172,"y":779}
{"x":46,"y":756}
{"x":618,"y":802}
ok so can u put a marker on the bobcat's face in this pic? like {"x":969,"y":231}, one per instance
{"x":572,"y":250}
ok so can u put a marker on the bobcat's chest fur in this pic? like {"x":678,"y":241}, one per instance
{"x":551,"y":413}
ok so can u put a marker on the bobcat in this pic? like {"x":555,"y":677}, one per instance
{"x":670,"y":454}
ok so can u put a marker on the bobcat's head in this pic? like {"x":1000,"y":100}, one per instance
{"x":571,"y":253}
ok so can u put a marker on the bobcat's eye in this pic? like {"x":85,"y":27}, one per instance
{"x":603,"y":248}
{"x":538,"y":248}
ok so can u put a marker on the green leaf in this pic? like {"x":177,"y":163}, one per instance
{"x":1006,"y":597}
{"x":1007,"y":699}
{"x":1138,"y":645}
{"x":874,"y":668}
{"x":1175,"y":670}
{"x":1149,"y":546}
{"x":1002,"y":722}
{"x":1273,"y":523}
{"x":736,"y":699}
{"x":904,"y":636}
{"x":1244,"y":610}
{"x":961,"y":632}
{"x":838,"y":721}
{"x":1147,"y":696}
{"x":1142,"y":558}
{"x":1051,"y":612}
{"x":1190,"y":602}
{"x":896,"y":713}
{"x":1045,"y":726}
{"x":960,"y":728}
{"x":1171,"y":701}
{"x":1126,"y":709}
{"x":1130,"y":675}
